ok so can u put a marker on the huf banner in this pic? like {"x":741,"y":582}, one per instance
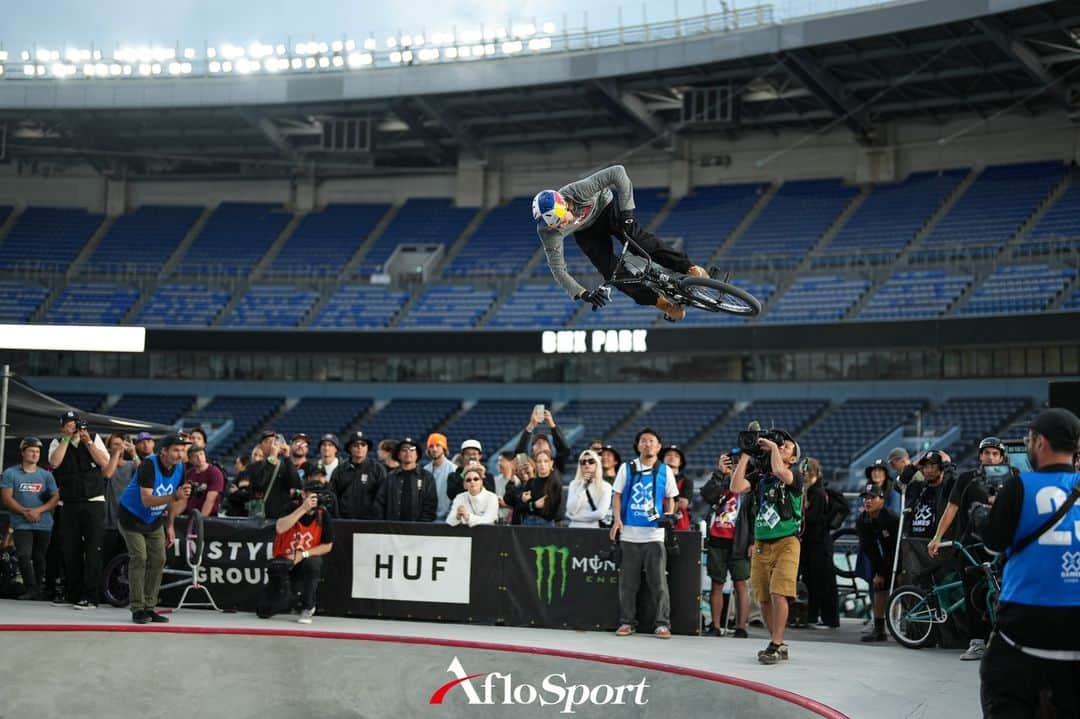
{"x":521,"y":576}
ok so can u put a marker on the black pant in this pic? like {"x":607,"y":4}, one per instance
{"x":1013,"y":681}
{"x":83,"y":534}
{"x":595,"y":242}
{"x":54,"y":555}
{"x":307,"y":572}
{"x":30,"y":548}
{"x":820,"y":577}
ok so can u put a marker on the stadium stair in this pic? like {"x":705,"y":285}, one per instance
{"x":980,"y":277}
{"x":1024,"y":233}
{"x":189,"y":239}
{"x":89,"y":247}
{"x":937,"y":217}
{"x":10,"y":219}
{"x":744,"y":224}
{"x":325,"y":293}
{"x":349,"y":268}
{"x":275,"y":247}
{"x":239,"y":291}
{"x":661,"y":215}
{"x":834,"y":228}
{"x":455,"y":248}
{"x":1067,"y":299}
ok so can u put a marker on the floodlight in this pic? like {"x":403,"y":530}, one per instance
{"x":500,"y":33}
{"x":350,"y":45}
{"x":524,"y":30}
{"x":280,"y":49}
{"x":42,"y":55}
{"x":391,"y":42}
{"x":395,"y":56}
{"x":478,"y":50}
{"x":540,"y":43}
{"x":310,"y":63}
{"x":185,"y":68}
{"x":1,"y":69}
{"x":428,"y":54}
{"x":512,"y":47}
{"x":40,"y":70}
{"x":271,"y":64}
{"x":297,"y":63}
{"x":89,"y":70}
{"x":418,"y":40}
{"x":127,"y":70}
{"x":25,"y":55}
{"x":189,"y":53}
{"x":227,"y":66}
{"x":450,"y":53}
{"x":489,"y":49}
{"x":211,"y":52}
{"x":174,"y":68}
{"x":406,"y":40}
{"x":215,"y":66}
{"x":338,"y":61}
{"x":369,"y":44}
{"x":324,"y":48}
{"x":549,"y":28}
{"x":324,"y":62}
{"x":28,"y":69}
{"x":144,"y":68}
{"x":360,"y":59}
{"x":97,"y":55}
{"x":338,"y":46}
{"x":472,"y":36}
{"x":115,"y":69}
{"x":407,"y":56}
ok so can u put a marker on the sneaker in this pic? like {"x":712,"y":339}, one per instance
{"x":740,"y":634}
{"x":974,"y":651}
{"x":59,"y":601}
{"x":663,"y":632}
{"x":306,"y":615}
{"x":715,"y":631}
{"x":141,"y":616}
{"x":84,"y":604}
{"x":717,"y":274}
{"x":624,"y":630}
{"x":780,"y":650}
{"x":697,"y":271}
{"x":155,"y":617}
{"x":876,"y":635}
{"x":672,"y":312}
{"x":773,"y":654}
{"x":30,"y":595}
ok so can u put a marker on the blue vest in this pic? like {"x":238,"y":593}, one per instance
{"x":131,"y":499}
{"x":1047,"y":573}
{"x":636,"y":495}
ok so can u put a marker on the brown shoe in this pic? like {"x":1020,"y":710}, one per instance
{"x":671,"y":310}
{"x":697,"y":271}
{"x":624,"y":630}
{"x":663,"y":632}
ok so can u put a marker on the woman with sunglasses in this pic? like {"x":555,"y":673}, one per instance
{"x":476,"y":505}
{"x":589,"y":496}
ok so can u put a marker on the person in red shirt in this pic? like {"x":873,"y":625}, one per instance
{"x":207,"y":483}
{"x":303,"y":537}
{"x":730,"y":543}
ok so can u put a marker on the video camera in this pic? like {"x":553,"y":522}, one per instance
{"x":80,"y":425}
{"x":747,"y":441}
{"x":992,"y":477}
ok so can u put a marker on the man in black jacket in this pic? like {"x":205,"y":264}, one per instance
{"x":530,"y":442}
{"x":356,"y":481}
{"x":408,"y":494}
{"x":274,"y":479}
{"x":730,"y":541}
{"x":77,"y":461}
{"x":877,"y":528}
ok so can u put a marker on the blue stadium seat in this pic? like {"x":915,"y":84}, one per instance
{"x":325,"y":240}
{"x":915,"y":294}
{"x":47,"y":238}
{"x":91,"y":303}
{"x":272,"y":306}
{"x":415,"y":418}
{"x":234,"y":239}
{"x":432,"y":220}
{"x":677,"y":421}
{"x":449,"y":307}
{"x":18,"y":301}
{"x":492,"y":421}
{"x":501,"y":245}
{"x":820,"y":298}
{"x":791,"y":415}
{"x":534,"y":306}
{"x":316,"y":416}
{"x":141,"y":242}
{"x":247,"y":413}
{"x":708,"y":215}
{"x":163,"y":409}
{"x":181,"y":305}
{"x":1058,"y":230}
{"x":82,"y":401}
{"x":1017,"y":289}
{"x":355,"y":306}
{"x":976,"y":417}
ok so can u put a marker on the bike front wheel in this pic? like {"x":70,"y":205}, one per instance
{"x":910,"y":616}
{"x":717,"y":296}
{"x":115,"y":588}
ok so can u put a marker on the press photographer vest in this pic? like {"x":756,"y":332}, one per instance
{"x":79,"y":477}
{"x":641,"y":485}
{"x":131,"y":499}
{"x":1047,"y":573}
{"x":766,"y":530}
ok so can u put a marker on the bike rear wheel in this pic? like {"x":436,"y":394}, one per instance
{"x":116,"y":581}
{"x":717,"y":296}
{"x":909,"y":616}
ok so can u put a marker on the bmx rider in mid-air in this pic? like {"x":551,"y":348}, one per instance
{"x":587,"y":209}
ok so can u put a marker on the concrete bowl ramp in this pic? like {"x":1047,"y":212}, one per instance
{"x":73,"y":671}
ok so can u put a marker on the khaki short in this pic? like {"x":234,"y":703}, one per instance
{"x":774,"y":568}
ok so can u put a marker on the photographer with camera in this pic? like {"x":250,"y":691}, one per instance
{"x":978,"y":485}
{"x":1035,"y":521}
{"x":642,"y":487}
{"x":315,"y":476}
{"x":730,"y":543}
{"x":273,"y":479}
{"x":779,"y":493}
{"x":303,"y":537}
{"x":78,"y":461}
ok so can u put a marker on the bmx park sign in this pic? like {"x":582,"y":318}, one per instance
{"x":595,"y":341}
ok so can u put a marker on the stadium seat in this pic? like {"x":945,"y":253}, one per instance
{"x":425,"y":220}
{"x":325,"y":240}
{"x":141,"y":242}
{"x":234,"y":239}
{"x":91,"y":303}
{"x":47,"y":239}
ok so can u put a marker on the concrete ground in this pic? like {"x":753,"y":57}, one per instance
{"x":223,"y":665}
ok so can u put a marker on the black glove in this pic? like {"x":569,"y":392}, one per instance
{"x":598,"y":297}
{"x":628,"y":225}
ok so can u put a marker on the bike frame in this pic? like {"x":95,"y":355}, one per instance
{"x":940,"y":591}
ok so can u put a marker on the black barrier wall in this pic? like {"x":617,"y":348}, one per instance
{"x":518,"y":576}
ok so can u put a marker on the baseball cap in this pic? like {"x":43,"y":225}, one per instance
{"x":407,"y":442}
{"x":29,"y":442}
{"x":1058,"y":425}
{"x":143,"y":436}
{"x":873,"y":490}
{"x":358,"y":436}
{"x":896,"y":454}
{"x":609,"y":448}
{"x":471,"y":444}
{"x":300,"y":435}
{"x":675,"y":448}
{"x":311,"y":485}
{"x":267,"y":434}
{"x":171,"y":440}
{"x":69,"y":416}
{"x":933,"y":457}
{"x":331,"y":438}
{"x":439,"y":439}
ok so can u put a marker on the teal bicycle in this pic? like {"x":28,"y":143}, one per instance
{"x":913,"y":612}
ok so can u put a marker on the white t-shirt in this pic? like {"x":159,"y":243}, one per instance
{"x":482,"y":509}
{"x":642,"y":535}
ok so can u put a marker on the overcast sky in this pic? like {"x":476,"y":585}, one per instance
{"x":58,"y":24}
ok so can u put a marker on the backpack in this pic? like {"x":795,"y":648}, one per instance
{"x":838,"y":508}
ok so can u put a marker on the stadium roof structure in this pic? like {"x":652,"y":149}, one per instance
{"x":860,"y":69}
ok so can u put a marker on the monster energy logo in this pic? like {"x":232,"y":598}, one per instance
{"x":557,"y":559}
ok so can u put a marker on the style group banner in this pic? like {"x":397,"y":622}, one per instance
{"x":518,"y":576}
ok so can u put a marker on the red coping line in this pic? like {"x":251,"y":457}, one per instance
{"x":782,"y":694}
